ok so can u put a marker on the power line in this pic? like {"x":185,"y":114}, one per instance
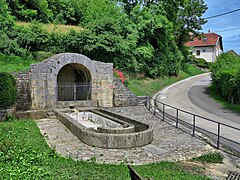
{"x":224,"y":30}
{"x":223,"y":14}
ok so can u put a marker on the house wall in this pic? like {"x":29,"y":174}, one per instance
{"x":209,"y":55}
{"x":218,"y":49}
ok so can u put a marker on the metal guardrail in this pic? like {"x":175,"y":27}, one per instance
{"x":190,"y":123}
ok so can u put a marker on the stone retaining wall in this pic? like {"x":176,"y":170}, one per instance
{"x":23,"y":101}
{"x":122,"y":95}
{"x":5,"y":112}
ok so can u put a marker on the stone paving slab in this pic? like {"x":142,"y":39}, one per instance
{"x":169,"y":143}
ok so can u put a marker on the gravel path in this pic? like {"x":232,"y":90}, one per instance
{"x":169,"y":143}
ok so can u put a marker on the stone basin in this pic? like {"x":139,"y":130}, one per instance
{"x":104,"y":129}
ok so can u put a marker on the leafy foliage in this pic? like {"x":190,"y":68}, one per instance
{"x":7,"y":90}
{"x":200,"y":62}
{"x":140,"y":36}
{"x":226,"y":77}
{"x":185,"y":16}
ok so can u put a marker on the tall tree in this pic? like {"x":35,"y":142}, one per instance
{"x":186,"y":15}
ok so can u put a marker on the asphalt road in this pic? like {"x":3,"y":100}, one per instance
{"x":191,"y":95}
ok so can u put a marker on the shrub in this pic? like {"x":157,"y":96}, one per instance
{"x":225,"y":75}
{"x":41,"y":55}
{"x":200,"y":62}
{"x":7,"y":90}
{"x":118,"y":74}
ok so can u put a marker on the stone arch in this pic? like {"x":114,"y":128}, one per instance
{"x":44,"y":80}
{"x":73,"y":83}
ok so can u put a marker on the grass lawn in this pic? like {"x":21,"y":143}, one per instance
{"x":213,"y":157}
{"x":214,"y":94}
{"x":24,"y":154}
{"x":14,"y":63}
{"x":148,"y":86}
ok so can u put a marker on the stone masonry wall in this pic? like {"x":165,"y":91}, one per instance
{"x":44,"y":80}
{"x":23,"y":99}
{"x":5,"y":112}
{"x":122,"y":95}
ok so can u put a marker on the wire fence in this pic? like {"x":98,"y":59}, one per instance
{"x":222,"y":135}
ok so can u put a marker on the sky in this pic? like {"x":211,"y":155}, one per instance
{"x":231,"y":39}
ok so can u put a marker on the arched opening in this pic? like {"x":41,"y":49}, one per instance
{"x":73,"y":83}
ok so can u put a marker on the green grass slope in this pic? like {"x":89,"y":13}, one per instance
{"x":14,"y":63}
{"x":148,"y":86}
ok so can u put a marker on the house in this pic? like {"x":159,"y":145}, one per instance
{"x":208,"y":47}
{"x":233,"y":52}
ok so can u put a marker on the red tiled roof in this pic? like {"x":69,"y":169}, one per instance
{"x":209,"y":39}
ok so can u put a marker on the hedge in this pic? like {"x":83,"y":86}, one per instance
{"x":226,"y":77}
{"x":7,"y":90}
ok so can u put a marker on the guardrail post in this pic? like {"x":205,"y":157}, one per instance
{"x":218,"y":137}
{"x":146,"y":100}
{"x":163,"y":112}
{"x":177,"y":120}
{"x":149,"y":103}
{"x":194,"y":123}
{"x":154,"y":107}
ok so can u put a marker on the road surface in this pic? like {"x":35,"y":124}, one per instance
{"x":191,"y":95}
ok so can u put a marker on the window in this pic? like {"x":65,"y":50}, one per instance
{"x":204,"y":50}
{"x":198,"y":52}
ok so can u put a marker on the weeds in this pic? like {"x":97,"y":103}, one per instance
{"x":213,"y":157}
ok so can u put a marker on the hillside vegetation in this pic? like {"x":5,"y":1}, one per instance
{"x":142,"y":86}
{"x":145,"y":37}
{"x":53,"y":28}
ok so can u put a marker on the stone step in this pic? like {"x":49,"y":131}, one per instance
{"x":50,"y":113}
{"x":52,"y":117}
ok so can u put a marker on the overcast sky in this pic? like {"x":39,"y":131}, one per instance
{"x":231,"y":39}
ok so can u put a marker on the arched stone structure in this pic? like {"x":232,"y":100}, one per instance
{"x":71,"y":68}
{"x":74,"y":83}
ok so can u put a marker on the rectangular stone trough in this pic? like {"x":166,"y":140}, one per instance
{"x":104,"y":129}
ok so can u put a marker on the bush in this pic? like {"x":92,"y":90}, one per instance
{"x":7,"y":90}
{"x":200,"y":62}
{"x":225,"y":75}
{"x":41,"y":55}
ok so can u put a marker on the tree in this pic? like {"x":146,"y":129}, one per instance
{"x":189,"y":20}
{"x":6,"y":20}
{"x":110,"y":35}
{"x":158,"y":54}
{"x":185,"y":16}
{"x":30,"y":10}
